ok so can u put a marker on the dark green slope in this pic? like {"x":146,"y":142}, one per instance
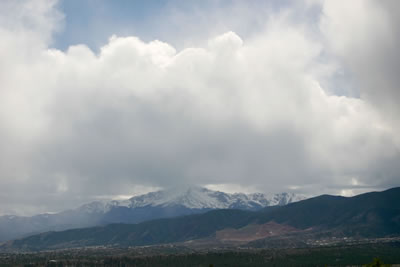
{"x":369,"y":214}
{"x":147,"y":233}
{"x":374,"y":214}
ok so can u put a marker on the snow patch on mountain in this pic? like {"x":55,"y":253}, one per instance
{"x":103,"y":206}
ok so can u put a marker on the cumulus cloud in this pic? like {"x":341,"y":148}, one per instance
{"x":365,"y":35}
{"x":76,"y":125}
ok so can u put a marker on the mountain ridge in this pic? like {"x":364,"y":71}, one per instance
{"x":367,"y":215}
{"x":200,"y":198}
{"x":163,"y":203}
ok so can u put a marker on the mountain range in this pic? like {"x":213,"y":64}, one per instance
{"x":161,"y":204}
{"x":369,"y":215}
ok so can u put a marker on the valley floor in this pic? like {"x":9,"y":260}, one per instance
{"x":350,"y":255}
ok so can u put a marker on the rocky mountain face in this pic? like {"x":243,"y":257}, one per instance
{"x":161,"y":204}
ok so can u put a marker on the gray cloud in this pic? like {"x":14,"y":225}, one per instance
{"x":77,"y":125}
{"x":366,"y":38}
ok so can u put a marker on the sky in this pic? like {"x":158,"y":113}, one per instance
{"x":103,"y":99}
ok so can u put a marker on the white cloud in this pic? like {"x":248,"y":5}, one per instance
{"x":77,"y":125}
{"x":365,"y":36}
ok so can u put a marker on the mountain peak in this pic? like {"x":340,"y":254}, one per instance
{"x":176,"y":201}
{"x":195,"y":197}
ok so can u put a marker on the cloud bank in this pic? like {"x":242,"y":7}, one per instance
{"x":259,"y":112}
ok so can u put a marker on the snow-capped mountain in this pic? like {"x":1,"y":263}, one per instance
{"x":202,"y":198}
{"x":195,"y":198}
{"x":160,"y":204}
